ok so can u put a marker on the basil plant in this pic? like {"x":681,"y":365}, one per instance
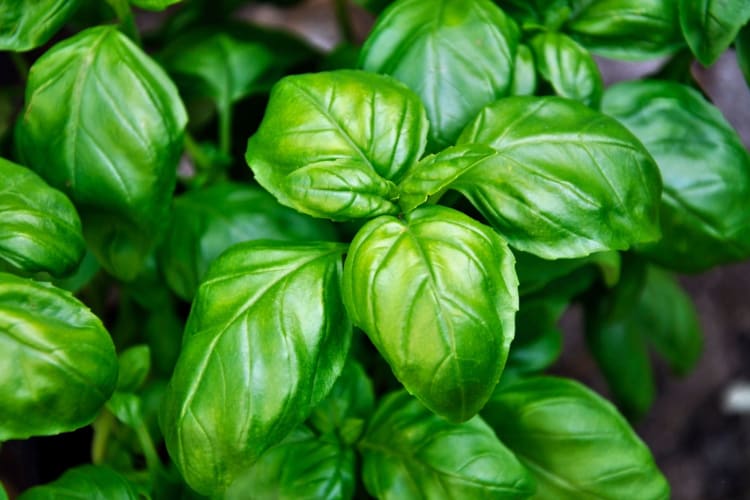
{"x":370,"y":308}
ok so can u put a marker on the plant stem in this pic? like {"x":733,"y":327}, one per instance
{"x":202,"y":161}
{"x":22,"y":67}
{"x":127,"y":20}
{"x":225,"y":129}
{"x":102,"y":428}
{"x":153,"y":462}
{"x":344,"y":20}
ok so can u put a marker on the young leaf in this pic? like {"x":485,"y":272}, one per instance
{"x":266,"y":339}
{"x":333,"y":144}
{"x":205,"y":222}
{"x":524,"y":72}
{"x":117,"y":123}
{"x":559,"y":180}
{"x":408,"y":452}
{"x":705,"y":170}
{"x":626,"y":29}
{"x":85,"y":481}
{"x":301,"y":466}
{"x":457,"y":55}
{"x":40,"y":229}
{"x":135,"y":363}
{"x":574,"y":442}
{"x":58,"y":365}
{"x":436,"y":293}
{"x":710,"y":26}
{"x":568,"y":67}
{"x":27,"y":24}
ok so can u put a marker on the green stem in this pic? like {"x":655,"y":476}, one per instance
{"x":344,"y":20}
{"x":153,"y":462}
{"x":102,"y":429}
{"x":225,"y":129}
{"x":202,"y":161}
{"x":127,"y":20}
{"x":22,"y":67}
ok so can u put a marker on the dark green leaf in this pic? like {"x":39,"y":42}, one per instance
{"x":456,"y":54}
{"x":568,"y":67}
{"x":408,"y":452}
{"x":524,"y":72}
{"x":82,"y":276}
{"x":742,"y":47}
{"x":347,"y":407}
{"x":331,"y":144}
{"x":710,"y":26}
{"x":706,"y":172}
{"x":58,"y":364}
{"x":626,"y":29}
{"x":538,"y":340}
{"x":127,"y":407}
{"x":574,"y":442}
{"x":40,"y":229}
{"x":104,"y":124}
{"x":436,"y":293}
{"x":301,"y":466}
{"x":266,"y":339}
{"x":154,"y":4}
{"x":535,"y":273}
{"x":206,"y":222}
{"x":27,"y":24}
{"x":86,"y":481}
{"x":135,"y":363}
{"x":559,"y":180}
{"x":163,"y":332}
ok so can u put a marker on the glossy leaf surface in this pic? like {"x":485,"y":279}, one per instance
{"x":58,"y":365}
{"x":266,"y":339}
{"x":626,"y":29}
{"x":302,"y":466}
{"x":574,"y":442}
{"x":706,"y":172}
{"x":710,"y":26}
{"x":94,"y":482}
{"x":135,"y":363}
{"x":436,"y":293}
{"x":116,"y":124}
{"x":568,"y":67}
{"x":40,"y":229}
{"x":524,"y":72}
{"x":409,"y":452}
{"x":27,"y":24}
{"x":332,"y":144}
{"x":206,"y":222}
{"x":457,"y":55}
{"x":558,"y":180}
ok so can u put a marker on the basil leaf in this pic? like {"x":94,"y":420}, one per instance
{"x":524,"y":72}
{"x":347,"y":407}
{"x":58,"y":365}
{"x":40,"y":229}
{"x":457,"y":55}
{"x":205,"y":222}
{"x":135,"y":363}
{"x":117,"y":124}
{"x":742,"y":50}
{"x":246,"y":377}
{"x":559,"y":180}
{"x":534,"y":274}
{"x":27,"y":24}
{"x":558,"y":428}
{"x":127,"y":407}
{"x":301,"y":466}
{"x":710,"y":26}
{"x":538,"y":341}
{"x":154,"y":4}
{"x":706,"y":172}
{"x":331,"y":143}
{"x":85,"y":481}
{"x":568,"y":67}
{"x":413,"y":285}
{"x":626,"y":29}
{"x":408,"y":452}
{"x":3,"y":494}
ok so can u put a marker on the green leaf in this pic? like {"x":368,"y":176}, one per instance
{"x":86,"y":481}
{"x":574,"y":442}
{"x":568,"y":67}
{"x":332,"y":144}
{"x":534,"y":274}
{"x":127,"y":407}
{"x":705,"y":168}
{"x":154,"y":4}
{"x":436,"y":293}
{"x":3,"y":494}
{"x":559,"y":180}
{"x":710,"y":26}
{"x":742,"y":50}
{"x":301,"y":466}
{"x":27,"y":24}
{"x":206,"y":222}
{"x":408,"y":452}
{"x":135,"y":363}
{"x":40,"y":229}
{"x":266,"y":339}
{"x":457,"y":55}
{"x":524,"y":72}
{"x":347,"y":407}
{"x":117,"y":125}
{"x":58,"y":364}
{"x":626,"y":29}
{"x":538,"y":341}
